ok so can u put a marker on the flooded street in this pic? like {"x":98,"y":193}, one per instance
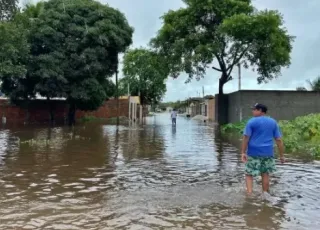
{"x":152,"y":177}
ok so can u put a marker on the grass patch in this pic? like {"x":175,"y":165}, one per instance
{"x":301,"y":135}
{"x":89,"y":119}
{"x":111,"y":121}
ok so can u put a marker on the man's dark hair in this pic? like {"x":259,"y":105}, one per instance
{"x":260,"y":107}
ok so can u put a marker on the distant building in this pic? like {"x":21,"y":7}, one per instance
{"x":169,"y":109}
{"x":201,"y":106}
{"x":195,"y":106}
{"x":208,"y":107}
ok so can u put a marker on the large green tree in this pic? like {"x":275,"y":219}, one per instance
{"x":74,"y":47}
{"x":145,"y":72}
{"x":87,"y":36}
{"x":220,"y":35}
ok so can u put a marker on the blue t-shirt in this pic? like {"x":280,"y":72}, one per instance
{"x":261,"y":132}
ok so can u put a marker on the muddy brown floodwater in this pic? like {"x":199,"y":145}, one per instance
{"x":156,"y":176}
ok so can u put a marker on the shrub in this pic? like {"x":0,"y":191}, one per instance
{"x":89,"y":119}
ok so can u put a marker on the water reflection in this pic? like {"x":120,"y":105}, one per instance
{"x":174,"y":131}
{"x":154,"y":176}
{"x":262,"y":216}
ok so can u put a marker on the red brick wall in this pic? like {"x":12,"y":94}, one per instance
{"x":39,"y":111}
{"x":108,"y":110}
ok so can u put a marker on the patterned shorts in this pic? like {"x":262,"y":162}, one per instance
{"x":256,"y":166}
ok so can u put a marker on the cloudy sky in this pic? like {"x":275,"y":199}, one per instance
{"x":301,"y":20}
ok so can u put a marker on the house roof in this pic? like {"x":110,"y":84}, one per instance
{"x":196,"y":99}
{"x":209,"y":97}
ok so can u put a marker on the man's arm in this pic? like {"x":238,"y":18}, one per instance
{"x":280,"y":146}
{"x":277,"y":136}
{"x":246,"y":136}
{"x":244,"y":146}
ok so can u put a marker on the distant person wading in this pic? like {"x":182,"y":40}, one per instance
{"x":174,"y":117}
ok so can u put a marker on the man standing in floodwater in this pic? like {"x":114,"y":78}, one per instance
{"x":174,"y":117}
{"x":257,"y":147}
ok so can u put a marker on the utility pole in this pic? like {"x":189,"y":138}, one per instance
{"x":239,"y":74}
{"x":117,"y":90}
{"x":239,"y":88}
{"x":140,"y":106}
{"x":202,"y":91}
{"x":129,"y":90}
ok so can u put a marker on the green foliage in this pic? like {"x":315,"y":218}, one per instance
{"x":234,"y":127}
{"x":175,"y":105}
{"x":64,"y":49}
{"x":301,"y":88}
{"x":14,"y":54}
{"x":89,"y":119}
{"x":109,"y":88}
{"x":75,"y":48}
{"x":315,"y":84}
{"x":299,"y":135}
{"x":145,"y":72}
{"x":226,"y":32}
{"x":8,"y":9}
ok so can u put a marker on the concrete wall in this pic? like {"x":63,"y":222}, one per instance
{"x":210,"y":109}
{"x":195,"y":109}
{"x":282,"y":105}
{"x":204,"y":109}
{"x":107,"y":110}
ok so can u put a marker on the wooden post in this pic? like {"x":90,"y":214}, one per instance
{"x":239,"y":73}
{"x":135,"y":111}
{"x":129,"y":115}
{"x":140,"y":113}
{"x":240,"y":98}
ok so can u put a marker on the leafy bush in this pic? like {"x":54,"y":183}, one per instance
{"x":299,"y":135}
{"x":89,"y":119}
{"x":234,"y":127}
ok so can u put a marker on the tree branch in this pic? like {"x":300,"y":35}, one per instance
{"x":236,"y":60}
{"x":217,"y":69}
{"x":221,"y":63}
{"x":223,"y":48}
{"x":229,"y":79}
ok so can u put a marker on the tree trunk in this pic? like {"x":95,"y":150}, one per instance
{"x":221,"y":84}
{"x":51,"y":113}
{"x":27,"y":117}
{"x":223,"y":103}
{"x":72,"y":114}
